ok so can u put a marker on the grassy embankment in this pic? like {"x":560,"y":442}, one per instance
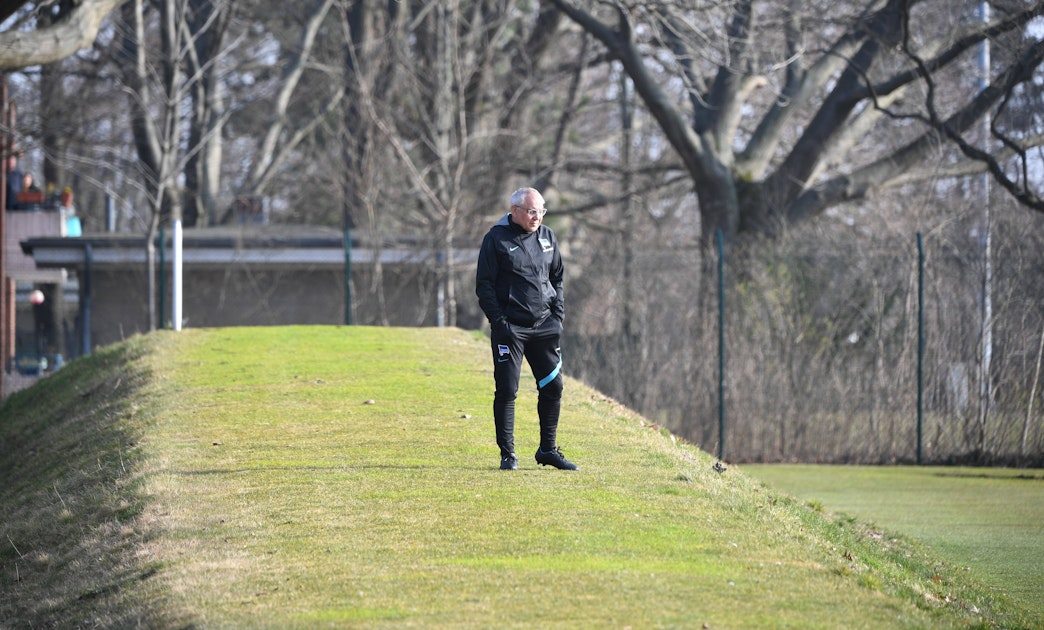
{"x":331,"y":476}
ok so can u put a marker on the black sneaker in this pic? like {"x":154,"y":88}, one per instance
{"x":554,"y":458}
{"x":509,"y":462}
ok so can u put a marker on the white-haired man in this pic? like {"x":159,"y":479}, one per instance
{"x":519,"y":288}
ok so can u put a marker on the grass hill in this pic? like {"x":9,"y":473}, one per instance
{"x":302,"y":477}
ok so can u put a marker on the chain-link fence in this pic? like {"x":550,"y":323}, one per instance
{"x":822,"y":348}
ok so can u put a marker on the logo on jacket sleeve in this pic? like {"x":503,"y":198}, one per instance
{"x":545,"y":244}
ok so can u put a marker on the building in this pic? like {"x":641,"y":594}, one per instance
{"x":33,"y":332}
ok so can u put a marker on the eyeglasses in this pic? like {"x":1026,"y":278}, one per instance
{"x":533,"y":212}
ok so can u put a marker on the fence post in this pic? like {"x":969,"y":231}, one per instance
{"x":348,"y":276}
{"x":161,"y":324}
{"x":920,"y":347}
{"x":177,"y":295}
{"x":721,"y":344}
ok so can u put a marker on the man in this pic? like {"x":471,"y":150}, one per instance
{"x":519,"y":287}
{"x":70,"y":223}
{"x":14,"y":182}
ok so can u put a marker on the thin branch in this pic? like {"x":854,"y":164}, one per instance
{"x":1019,"y":72}
{"x":598,"y":202}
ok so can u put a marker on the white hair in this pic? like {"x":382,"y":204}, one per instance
{"x":519,"y":196}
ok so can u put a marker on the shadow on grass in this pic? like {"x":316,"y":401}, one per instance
{"x":990,"y":474}
{"x":72,"y":499}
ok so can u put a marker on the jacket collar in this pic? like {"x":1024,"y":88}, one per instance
{"x":506,"y":221}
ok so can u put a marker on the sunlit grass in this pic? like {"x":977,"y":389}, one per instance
{"x":989,"y":519}
{"x":347,"y":476}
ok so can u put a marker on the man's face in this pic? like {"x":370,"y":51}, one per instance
{"x":530,"y":214}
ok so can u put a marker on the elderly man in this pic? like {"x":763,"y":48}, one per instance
{"x":519,"y":288}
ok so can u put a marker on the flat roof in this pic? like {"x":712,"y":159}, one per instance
{"x":275,"y":245}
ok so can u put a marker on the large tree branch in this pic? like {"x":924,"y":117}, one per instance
{"x":953,"y":52}
{"x":717,"y":109}
{"x":732,"y":84}
{"x":689,"y":145}
{"x":791,"y":179}
{"x":904,"y":163}
{"x":855,"y":131}
{"x":796,"y":93}
{"x":1019,"y":72}
{"x":21,"y":49}
{"x":672,"y":32}
{"x":962,"y":168}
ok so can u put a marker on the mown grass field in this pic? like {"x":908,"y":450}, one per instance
{"x":306,"y":477}
{"x":987,"y":520}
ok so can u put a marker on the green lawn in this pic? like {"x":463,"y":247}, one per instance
{"x":986,"y":519}
{"x":303,"y":477}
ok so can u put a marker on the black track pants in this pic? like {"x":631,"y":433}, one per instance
{"x":540,"y":347}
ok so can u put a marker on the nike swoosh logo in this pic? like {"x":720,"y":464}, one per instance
{"x":511,"y":249}
{"x":501,"y":360}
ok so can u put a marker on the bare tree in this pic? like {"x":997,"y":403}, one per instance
{"x":189,"y":54}
{"x":370,"y":72}
{"x":749,"y":168}
{"x":451,"y":117}
{"x":155,"y":97}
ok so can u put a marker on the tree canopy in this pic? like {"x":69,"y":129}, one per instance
{"x":787,"y":114}
{"x":774,"y":110}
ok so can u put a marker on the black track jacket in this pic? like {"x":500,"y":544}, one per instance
{"x":519,"y":277}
